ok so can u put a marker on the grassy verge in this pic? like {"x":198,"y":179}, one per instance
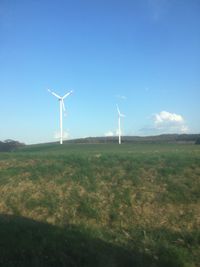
{"x":103,"y":205}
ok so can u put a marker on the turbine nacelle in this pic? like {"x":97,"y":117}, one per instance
{"x":60,"y":97}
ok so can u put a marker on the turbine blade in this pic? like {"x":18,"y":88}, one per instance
{"x":66,"y":95}
{"x":119,"y":113}
{"x":54,"y":94}
{"x":118,"y":110}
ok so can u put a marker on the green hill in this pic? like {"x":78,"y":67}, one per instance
{"x":100,"y":205}
{"x":164,"y":138}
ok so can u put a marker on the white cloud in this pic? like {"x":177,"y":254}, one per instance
{"x":66,"y":135}
{"x":117,"y":132}
{"x":184,"y":129}
{"x":110,"y":133}
{"x":166,"y":117}
{"x":122,"y":97}
{"x":170,"y":122}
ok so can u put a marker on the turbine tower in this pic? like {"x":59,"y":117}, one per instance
{"x":62,"y":108}
{"x":120,"y":115}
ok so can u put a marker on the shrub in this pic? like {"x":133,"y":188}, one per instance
{"x":10,"y":145}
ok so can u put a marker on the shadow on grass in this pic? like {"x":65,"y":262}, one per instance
{"x":25,"y":242}
{"x":28,"y":243}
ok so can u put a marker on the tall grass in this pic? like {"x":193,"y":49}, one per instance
{"x":133,"y":205}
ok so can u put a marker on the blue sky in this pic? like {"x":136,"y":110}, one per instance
{"x":142,"y":54}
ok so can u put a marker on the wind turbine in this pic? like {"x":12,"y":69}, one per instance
{"x":120,"y":115}
{"x":62,"y":108}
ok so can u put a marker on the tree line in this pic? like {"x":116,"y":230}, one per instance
{"x":10,"y":145}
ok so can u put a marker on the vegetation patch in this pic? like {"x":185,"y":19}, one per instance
{"x":132,"y":205}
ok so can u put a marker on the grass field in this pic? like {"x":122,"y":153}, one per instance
{"x":100,"y":205}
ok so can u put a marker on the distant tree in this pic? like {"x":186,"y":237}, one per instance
{"x":10,"y":145}
{"x":197,"y":141}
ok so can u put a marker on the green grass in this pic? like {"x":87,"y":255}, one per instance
{"x":100,"y":205}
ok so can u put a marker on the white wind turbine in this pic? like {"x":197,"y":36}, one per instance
{"x":120,"y":115}
{"x":62,"y":108}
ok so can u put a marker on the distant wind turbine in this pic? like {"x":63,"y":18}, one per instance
{"x":120,"y":115}
{"x":62,"y":108}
